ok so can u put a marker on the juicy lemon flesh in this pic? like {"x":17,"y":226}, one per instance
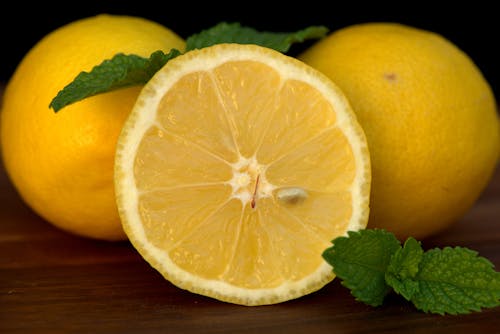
{"x":243,"y":179}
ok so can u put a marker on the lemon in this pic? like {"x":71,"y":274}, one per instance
{"x":62,"y":164}
{"x":429,"y":116}
{"x":236,"y":168}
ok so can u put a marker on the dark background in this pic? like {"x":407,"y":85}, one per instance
{"x":473,"y":27}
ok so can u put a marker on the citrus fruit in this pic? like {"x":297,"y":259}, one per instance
{"x":62,"y":163}
{"x":236,"y":169}
{"x":429,"y":116}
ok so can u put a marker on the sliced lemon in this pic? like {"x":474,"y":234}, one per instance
{"x":236,"y":168}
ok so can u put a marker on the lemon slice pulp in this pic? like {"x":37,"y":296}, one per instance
{"x":236,"y":168}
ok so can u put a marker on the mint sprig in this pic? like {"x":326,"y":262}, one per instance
{"x":441,"y":281}
{"x":235,"y":33}
{"x":118,"y":72}
{"x":130,"y":70}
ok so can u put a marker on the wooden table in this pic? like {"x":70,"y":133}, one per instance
{"x":53,"y":282}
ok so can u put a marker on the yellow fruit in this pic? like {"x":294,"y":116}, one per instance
{"x":62,"y":164}
{"x":429,"y":116}
{"x":236,"y":168}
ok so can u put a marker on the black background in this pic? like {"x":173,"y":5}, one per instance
{"x":473,"y":26}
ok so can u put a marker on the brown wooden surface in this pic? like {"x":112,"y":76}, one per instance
{"x":53,"y":282}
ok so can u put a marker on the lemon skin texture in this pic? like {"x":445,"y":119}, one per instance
{"x":429,"y":115}
{"x":62,"y":163}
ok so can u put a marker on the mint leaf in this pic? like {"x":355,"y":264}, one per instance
{"x":235,"y":33}
{"x":118,"y":72}
{"x":360,"y":261}
{"x":403,"y":268}
{"x":442,"y":281}
{"x":455,"y":281}
{"x":128,"y":70}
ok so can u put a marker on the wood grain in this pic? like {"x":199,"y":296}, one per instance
{"x":53,"y":282}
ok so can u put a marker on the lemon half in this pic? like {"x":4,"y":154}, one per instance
{"x":236,"y":168}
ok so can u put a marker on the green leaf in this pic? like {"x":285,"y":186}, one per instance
{"x":118,"y":72}
{"x":456,"y":281}
{"x":442,"y":281}
{"x":403,"y":268}
{"x":129,"y":70}
{"x":235,"y":33}
{"x":360,"y":261}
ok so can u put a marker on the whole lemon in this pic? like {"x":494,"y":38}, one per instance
{"x":430,"y":119}
{"x":62,"y":163}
